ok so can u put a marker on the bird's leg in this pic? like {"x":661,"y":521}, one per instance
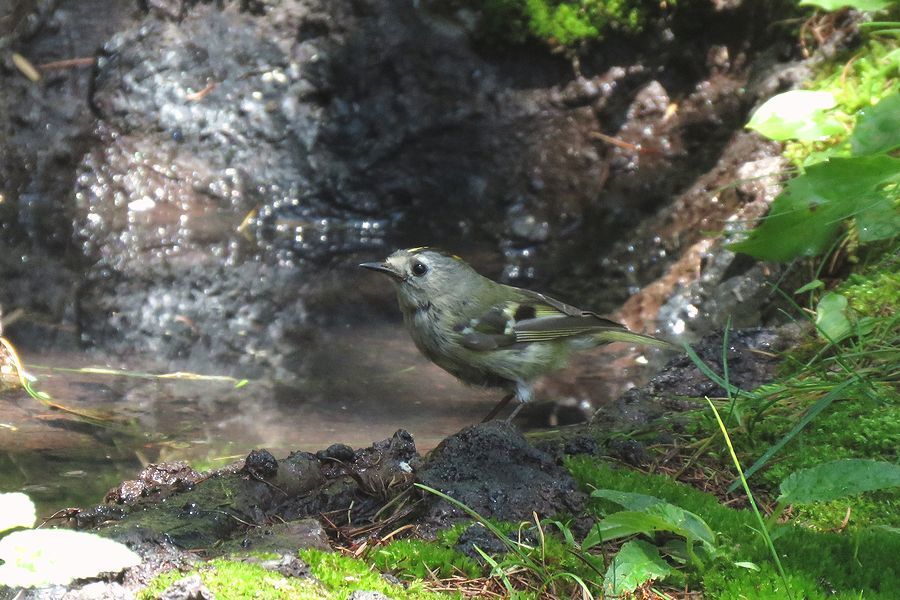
{"x":515,"y":411}
{"x":496,"y":410}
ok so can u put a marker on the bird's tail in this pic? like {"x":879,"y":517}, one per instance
{"x":630,"y":337}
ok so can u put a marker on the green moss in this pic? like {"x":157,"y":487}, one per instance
{"x":342,"y":575}
{"x":232,"y":580}
{"x":338,"y":576}
{"x":419,"y":559}
{"x":856,"y":80}
{"x":856,"y":426}
{"x":874,"y":292}
{"x":851,"y":565}
{"x":551,"y":560}
{"x":563,"y":22}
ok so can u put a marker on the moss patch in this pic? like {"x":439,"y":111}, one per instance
{"x":857,"y":79}
{"x":342,"y":575}
{"x":233,"y":580}
{"x":564,"y":22}
{"x":819,"y":565}
{"x":419,"y":559}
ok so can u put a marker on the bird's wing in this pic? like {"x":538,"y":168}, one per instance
{"x":534,"y":317}
{"x":542,"y":318}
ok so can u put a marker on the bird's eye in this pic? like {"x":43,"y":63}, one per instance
{"x":419,"y":269}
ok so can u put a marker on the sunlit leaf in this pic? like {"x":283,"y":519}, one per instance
{"x":627,"y":500}
{"x":658,"y":517}
{"x":16,"y":510}
{"x":634,"y":565}
{"x":831,"y":317}
{"x":878,"y":128}
{"x":837,"y":479}
{"x":812,"y":285}
{"x":806,"y":217}
{"x":831,"y":5}
{"x":41,"y":557}
{"x":878,"y":221}
{"x":797,"y":115}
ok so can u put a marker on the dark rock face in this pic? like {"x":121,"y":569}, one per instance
{"x":222,"y":163}
{"x":752,"y":361}
{"x":494,"y":471}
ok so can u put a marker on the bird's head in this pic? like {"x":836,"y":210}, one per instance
{"x":425,"y":275}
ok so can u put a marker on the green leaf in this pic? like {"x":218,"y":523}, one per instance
{"x":878,"y":128}
{"x":42,"y":557}
{"x":636,"y":563}
{"x":832,"y":5}
{"x":879,"y":221}
{"x":837,"y":479}
{"x":806,"y":216}
{"x":812,"y":285}
{"x":831,"y":317}
{"x":797,"y":115}
{"x":16,"y":510}
{"x":658,"y":517}
{"x":627,"y":500}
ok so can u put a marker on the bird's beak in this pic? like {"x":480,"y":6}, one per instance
{"x":383,"y":268}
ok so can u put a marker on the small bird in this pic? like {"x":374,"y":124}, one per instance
{"x":489,"y":334}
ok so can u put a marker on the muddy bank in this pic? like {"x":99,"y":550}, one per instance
{"x":173,"y":515}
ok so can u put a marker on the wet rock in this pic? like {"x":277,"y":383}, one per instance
{"x":752,"y":361}
{"x":233,"y":509}
{"x":155,"y":483}
{"x":365,"y":595}
{"x":752,"y":356}
{"x":98,"y":590}
{"x":187,"y":588}
{"x":285,"y":537}
{"x":336,"y":452}
{"x":211,"y":193}
{"x":288,"y":565}
{"x":167,"y":9}
{"x":687,"y":267}
{"x":261,"y":464}
{"x":321,"y":160}
{"x":494,"y":471}
{"x":732,"y":287}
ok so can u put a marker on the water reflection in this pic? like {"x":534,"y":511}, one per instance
{"x":362,"y":384}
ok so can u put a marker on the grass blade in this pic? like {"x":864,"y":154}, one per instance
{"x":704,"y":368}
{"x":820,"y":405}
{"x":763,"y":530}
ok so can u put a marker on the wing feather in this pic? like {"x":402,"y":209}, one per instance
{"x":535,"y":317}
